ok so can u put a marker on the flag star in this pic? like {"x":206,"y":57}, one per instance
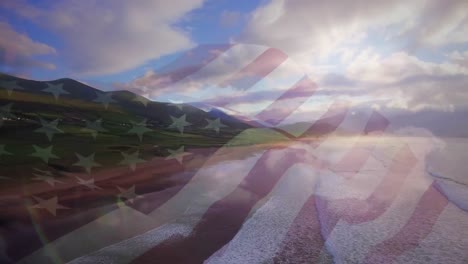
{"x":4,"y":178}
{"x":5,"y":112}
{"x":104,"y":98}
{"x":3,"y":151}
{"x":88,"y":183}
{"x":178,"y":104}
{"x":49,"y":179}
{"x":51,"y":205}
{"x":178,"y":154}
{"x":131,"y":159}
{"x":214,"y":124}
{"x":145,"y":89}
{"x":44,"y":172}
{"x":44,"y":153}
{"x":129,"y":194}
{"x":86,"y":162}
{"x":94,"y":128}
{"x":6,"y":109}
{"x":179,"y":123}
{"x":10,"y":86}
{"x":49,"y":128}
{"x":141,"y":99}
{"x":55,"y":89}
{"x":139,"y":129}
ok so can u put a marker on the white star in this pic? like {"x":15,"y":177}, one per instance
{"x":214,"y":124}
{"x":88,"y":183}
{"x":5,"y":112}
{"x":139,"y":129}
{"x":178,"y":104}
{"x":50,"y":205}
{"x":49,"y":128}
{"x":55,"y":89}
{"x":44,"y":172}
{"x":104,"y":98}
{"x":86,"y":162}
{"x":10,"y":86}
{"x":128,"y":194}
{"x":179,"y":123}
{"x":145,"y":89}
{"x":94,"y":128}
{"x":177,"y":154}
{"x":49,"y":179}
{"x":141,"y":99}
{"x":131,"y":159}
{"x":3,"y":151}
{"x":44,"y":153}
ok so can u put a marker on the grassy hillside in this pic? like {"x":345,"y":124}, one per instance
{"x":80,"y":121}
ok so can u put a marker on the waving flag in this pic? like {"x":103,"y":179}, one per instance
{"x":232,"y":183}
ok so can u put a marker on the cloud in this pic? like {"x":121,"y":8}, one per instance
{"x":402,"y":81}
{"x":206,"y":66}
{"x":459,"y":58}
{"x":439,"y":23}
{"x":367,"y":51}
{"x":105,"y":37}
{"x":18,"y":52}
{"x":371,"y":66}
{"x":311,"y":30}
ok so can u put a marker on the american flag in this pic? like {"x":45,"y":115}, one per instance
{"x":335,"y":185}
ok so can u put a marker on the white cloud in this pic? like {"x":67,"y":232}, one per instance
{"x":459,"y":58}
{"x":313,"y":30}
{"x":372,"y":47}
{"x":402,"y":81}
{"x":371,"y":66}
{"x":104,"y":37}
{"x":439,"y":23}
{"x":18,"y":51}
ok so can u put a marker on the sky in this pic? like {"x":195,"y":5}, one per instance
{"x":396,"y":54}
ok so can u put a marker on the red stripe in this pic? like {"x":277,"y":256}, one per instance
{"x":330,"y":121}
{"x":327,"y":124}
{"x":376,"y":123}
{"x":355,"y":159}
{"x":415,"y":230}
{"x":303,"y":242}
{"x":357,"y":211}
{"x":256,"y":70}
{"x":88,"y":205}
{"x":189,"y":63}
{"x":24,"y":241}
{"x":223,"y":219}
{"x":283,"y":106}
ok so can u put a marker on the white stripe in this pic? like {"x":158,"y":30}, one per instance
{"x":301,"y":119}
{"x":336,"y":145}
{"x":206,"y":187}
{"x":261,"y":235}
{"x":447,"y":242}
{"x":184,"y":210}
{"x":111,"y":228}
{"x":281,"y":79}
{"x":364,"y":182}
{"x":350,"y":243}
{"x":207,"y":79}
{"x":128,"y":250}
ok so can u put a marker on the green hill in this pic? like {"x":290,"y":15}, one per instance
{"x":66,"y":118}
